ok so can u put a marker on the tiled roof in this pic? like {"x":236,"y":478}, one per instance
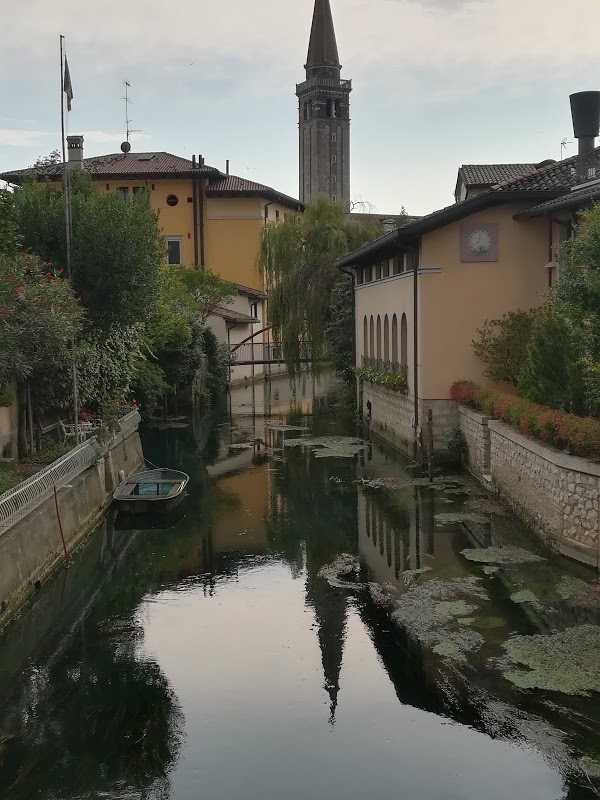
{"x":376,"y":219}
{"x":232,"y":186}
{"x":578,"y":198}
{"x":233,"y":316}
{"x":490,"y":174}
{"x":119,"y":164}
{"x":248,"y":291}
{"x":557,"y":177}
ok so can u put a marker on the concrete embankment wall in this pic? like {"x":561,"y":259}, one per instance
{"x":555,"y":493}
{"x":32,"y":548}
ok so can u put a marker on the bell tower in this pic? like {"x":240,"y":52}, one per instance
{"x":324,"y":115}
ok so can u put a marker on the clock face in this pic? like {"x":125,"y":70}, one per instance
{"x":480,"y":241}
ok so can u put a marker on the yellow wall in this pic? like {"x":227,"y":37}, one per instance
{"x":231,"y":226}
{"x":461,"y":297}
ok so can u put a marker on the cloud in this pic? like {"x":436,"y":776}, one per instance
{"x":16,"y":138}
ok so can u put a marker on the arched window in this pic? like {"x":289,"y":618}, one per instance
{"x":394,"y":339}
{"x":371,"y":338}
{"x":329,"y":108}
{"x":365,"y":347}
{"x":386,"y":338}
{"x":378,"y":338}
{"x":403,"y":341}
{"x":336,"y":108}
{"x":305,"y":109}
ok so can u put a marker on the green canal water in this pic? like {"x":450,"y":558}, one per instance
{"x":317,"y":622}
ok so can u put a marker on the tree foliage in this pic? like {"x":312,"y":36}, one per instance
{"x":39,"y":316}
{"x":551,"y":374}
{"x":339,"y":328}
{"x":117,"y":247}
{"x":207,"y":290}
{"x":9,"y":240}
{"x":297,"y":258}
{"x":502,"y":345}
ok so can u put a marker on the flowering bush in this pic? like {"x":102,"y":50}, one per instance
{"x":578,"y":435}
{"x":390,"y":380}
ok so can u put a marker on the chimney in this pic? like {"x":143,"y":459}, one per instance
{"x":75,"y":148}
{"x":227,"y":167}
{"x":585,"y":110}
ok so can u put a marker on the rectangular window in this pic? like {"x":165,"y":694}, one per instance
{"x":266,"y":212}
{"x":334,"y":199}
{"x":397,"y":263}
{"x":386,"y":269}
{"x":378,"y":272}
{"x":368,"y":274}
{"x":276,"y":213}
{"x":334,"y":159}
{"x":334,"y":178}
{"x":138,"y":190}
{"x":334,"y":137}
{"x":173,"y":249}
{"x":359,"y":276}
{"x":254,"y":310}
{"x":123,"y":191}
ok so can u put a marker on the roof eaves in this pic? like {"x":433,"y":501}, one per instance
{"x":389,"y":243}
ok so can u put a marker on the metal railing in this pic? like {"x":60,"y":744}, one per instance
{"x":16,"y":503}
{"x":389,"y":367}
{"x":262,"y":353}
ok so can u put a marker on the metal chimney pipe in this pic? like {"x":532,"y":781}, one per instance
{"x":227,"y":167}
{"x":585,"y":111}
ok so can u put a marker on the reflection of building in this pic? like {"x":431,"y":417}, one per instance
{"x":240,"y":525}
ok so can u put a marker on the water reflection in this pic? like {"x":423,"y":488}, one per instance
{"x":216,"y":659}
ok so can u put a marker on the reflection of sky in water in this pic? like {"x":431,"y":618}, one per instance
{"x":246,"y":667}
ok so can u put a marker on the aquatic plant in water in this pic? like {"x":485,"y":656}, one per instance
{"x":489,"y":569}
{"x":500,"y":555}
{"x":338,"y":572}
{"x":486,"y":507}
{"x":454,"y":517}
{"x":565,"y":662}
{"x":578,"y":592}
{"x":329,"y":446}
{"x":434,"y":611}
{"x":526,"y":596}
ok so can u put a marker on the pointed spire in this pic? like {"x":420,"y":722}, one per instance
{"x":322,"y":49}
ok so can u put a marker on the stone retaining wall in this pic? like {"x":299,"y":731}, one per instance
{"x":392,"y":416}
{"x":32,"y":548}
{"x":557,"y":494}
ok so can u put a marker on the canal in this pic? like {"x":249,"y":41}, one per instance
{"x":317,"y":622}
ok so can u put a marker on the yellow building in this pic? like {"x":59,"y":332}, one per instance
{"x":423,"y":290}
{"x":208,"y":218}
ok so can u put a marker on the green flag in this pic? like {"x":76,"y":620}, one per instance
{"x":67,"y":85}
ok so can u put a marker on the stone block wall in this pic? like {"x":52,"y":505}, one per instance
{"x":474,"y":427}
{"x":393,"y":418}
{"x":555,"y":493}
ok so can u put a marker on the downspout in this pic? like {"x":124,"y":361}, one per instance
{"x":195,"y":211}
{"x":201,"y":202}
{"x":415,"y":336}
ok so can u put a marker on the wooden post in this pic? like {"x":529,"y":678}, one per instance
{"x":430,"y":444}
{"x":31,"y":442}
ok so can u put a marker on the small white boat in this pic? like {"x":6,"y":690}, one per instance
{"x":155,"y":490}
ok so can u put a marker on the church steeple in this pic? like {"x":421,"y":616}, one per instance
{"x":324,"y":115}
{"x":322,"y":48}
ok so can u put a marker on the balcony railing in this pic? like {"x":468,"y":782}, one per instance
{"x":385,"y":367}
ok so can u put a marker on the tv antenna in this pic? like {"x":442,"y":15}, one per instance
{"x":563,"y":146}
{"x":128,"y":101}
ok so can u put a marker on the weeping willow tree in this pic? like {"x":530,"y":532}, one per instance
{"x":297,"y":259}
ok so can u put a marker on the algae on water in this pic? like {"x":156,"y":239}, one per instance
{"x":328,"y":446}
{"x":500,"y":555}
{"x":565,"y":662}
{"x":453,"y":517}
{"x":526,"y":596}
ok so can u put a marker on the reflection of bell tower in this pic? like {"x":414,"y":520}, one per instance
{"x":324,"y":115}
{"x":330,"y":613}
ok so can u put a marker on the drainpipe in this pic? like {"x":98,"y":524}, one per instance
{"x":201,"y":202}
{"x":550,"y":250}
{"x":195,"y":211}
{"x":415,"y":335}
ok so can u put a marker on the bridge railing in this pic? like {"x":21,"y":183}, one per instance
{"x":263,"y":353}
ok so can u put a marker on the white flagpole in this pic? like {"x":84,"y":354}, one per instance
{"x":67,"y":202}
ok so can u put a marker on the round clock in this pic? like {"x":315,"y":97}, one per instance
{"x":480,"y":241}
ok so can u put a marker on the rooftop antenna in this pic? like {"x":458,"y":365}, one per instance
{"x":126,"y":146}
{"x":563,"y":146}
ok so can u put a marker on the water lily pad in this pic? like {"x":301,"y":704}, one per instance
{"x":591,"y":766}
{"x":342,"y":572}
{"x":501,"y":555}
{"x":564,"y":662}
{"x":454,"y":517}
{"x":526,"y":596}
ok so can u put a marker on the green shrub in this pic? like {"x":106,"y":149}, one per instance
{"x":7,"y":396}
{"x":391,"y":380}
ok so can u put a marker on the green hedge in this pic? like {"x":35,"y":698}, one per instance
{"x":579,"y":435}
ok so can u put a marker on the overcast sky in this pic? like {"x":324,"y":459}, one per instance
{"x":437,"y":83}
